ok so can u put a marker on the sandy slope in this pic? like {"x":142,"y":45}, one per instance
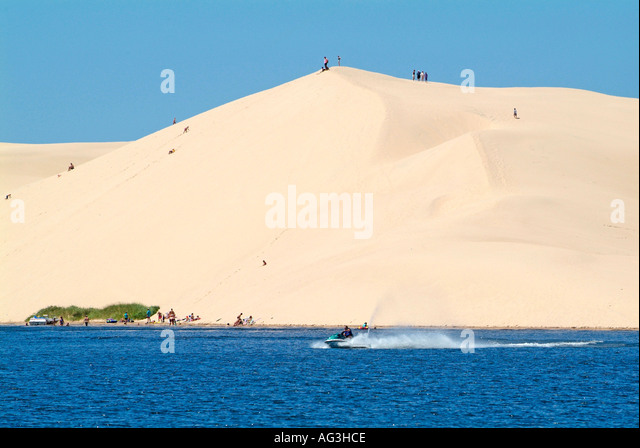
{"x":479,"y":219}
{"x":21,"y":164}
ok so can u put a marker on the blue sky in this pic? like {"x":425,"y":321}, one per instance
{"x":90,"y":70}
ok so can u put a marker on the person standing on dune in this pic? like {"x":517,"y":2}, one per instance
{"x":326,"y":63}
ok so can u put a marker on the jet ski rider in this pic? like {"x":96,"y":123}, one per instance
{"x":347,"y":332}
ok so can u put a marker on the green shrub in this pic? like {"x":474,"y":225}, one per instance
{"x":136,"y":311}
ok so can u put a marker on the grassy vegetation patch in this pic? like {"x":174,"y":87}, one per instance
{"x":136,"y":311}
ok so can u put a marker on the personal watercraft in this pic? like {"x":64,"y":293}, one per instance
{"x":338,"y":340}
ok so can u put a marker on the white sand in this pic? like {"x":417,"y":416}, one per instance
{"x":21,"y":164}
{"x":479,"y":219}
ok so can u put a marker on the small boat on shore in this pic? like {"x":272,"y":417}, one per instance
{"x":42,"y":320}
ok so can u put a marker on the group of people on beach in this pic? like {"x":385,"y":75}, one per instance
{"x":171,"y":317}
{"x":243,"y":321}
{"x":420,"y":76}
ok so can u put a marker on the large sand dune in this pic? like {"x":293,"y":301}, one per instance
{"x":21,"y":164}
{"x":479,"y":219}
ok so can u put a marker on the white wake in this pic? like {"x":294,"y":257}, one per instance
{"x":438,"y":340}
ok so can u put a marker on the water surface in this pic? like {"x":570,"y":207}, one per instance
{"x":101,"y":376}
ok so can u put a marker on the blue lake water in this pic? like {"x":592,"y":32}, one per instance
{"x":127,"y":376}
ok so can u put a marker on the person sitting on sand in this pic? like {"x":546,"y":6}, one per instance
{"x":71,"y":167}
{"x":238,"y":320}
{"x":347,"y":333}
